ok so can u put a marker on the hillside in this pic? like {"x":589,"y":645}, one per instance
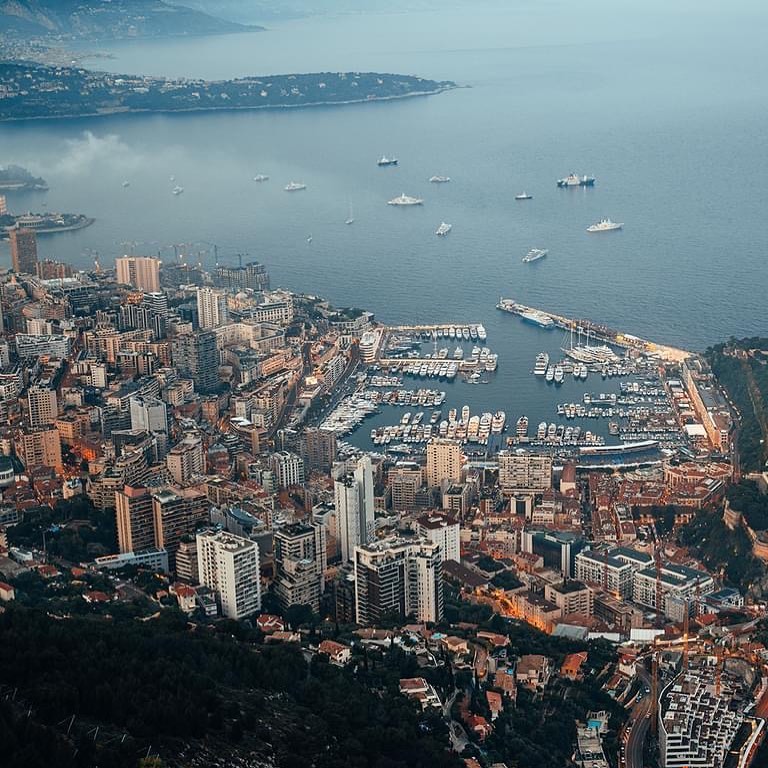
{"x":115,"y":19}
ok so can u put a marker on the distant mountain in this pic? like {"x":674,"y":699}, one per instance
{"x":109,"y":19}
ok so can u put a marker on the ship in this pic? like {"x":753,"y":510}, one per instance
{"x":523,"y":196}
{"x":443,"y":229}
{"x":482,"y":334}
{"x":521,"y":430}
{"x":559,"y":374}
{"x":538,"y":318}
{"x":260,"y":177}
{"x":440,"y":179}
{"x":535,"y":254}
{"x":541,"y":432}
{"x":386,"y":161}
{"x":542,"y":361}
{"x":405,"y":200}
{"x":549,"y":374}
{"x":498,"y":421}
{"x":294,"y":186}
{"x":605,"y":225}
{"x":177,"y":190}
{"x":574,"y":180}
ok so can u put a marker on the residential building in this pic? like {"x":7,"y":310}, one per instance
{"x":353,"y":496}
{"x":43,"y":405}
{"x":442,"y":530}
{"x":318,"y":449}
{"x":398,"y":577}
{"x":185,"y":460}
{"x":520,"y":471}
{"x":252,"y":276}
{"x":300,"y":563}
{"x":405,"y":480}
{"x":135,"y":519}
{"x":196,"y":355}
{"x":149,"y":414}
{"x":177,"y":513}
{"x":141,"y":272}
{"x":443,"y":462}
{"x":571,"y":597}
{"x":23,"y":250}
{"x":211,"y":308}
{"x":680,"y":587}
{"x":186,"y":561}
{"x":613,"y":569}
{"x":288,"y":468}
{"x":229,"y":565}
{"x":28,"y":346}
{"x":39,"y":447}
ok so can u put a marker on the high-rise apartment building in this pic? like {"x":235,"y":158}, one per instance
{"x":300,"y":563}
{"x":405,"y":480}
{"x":39,"y":447}
{"x":177,"y":513}
{"x":23,"y":251}
{"x":141,"y":272}
{"x":318,"y":449}
{"x":196,"y":355}
{"x":520,"y":471}
{"x":443,"y":462}
{"x":186,"y":459}
{"x":229,"y":565}
{"x":288,"y":468}
{"x":354,"y":499}
{"x":400,"y":577}
{"x":135,"y":519}
{"x":43,"y":405}
{"x":211,"y":308}
{"x":442,"y":530}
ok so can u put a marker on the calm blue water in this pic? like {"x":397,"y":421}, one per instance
{"x":666,"y":107}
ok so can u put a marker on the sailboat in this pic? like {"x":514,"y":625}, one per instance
{"x":351,"y":217}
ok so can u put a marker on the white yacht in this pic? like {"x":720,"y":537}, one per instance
{"x":385,"y":161}
{"x":440,"y":179}
{"x":605,"y":225}
{"x":482,"y":334}
{"x":177,"y":190}
{"x":523,"y":196}
{"x":260,"y":177}
{"x":351,"y":217}
{"x":405,"y":200}
{"x":535,"y":254}
{"x":294,"y":186}
{"x":443,"y":229}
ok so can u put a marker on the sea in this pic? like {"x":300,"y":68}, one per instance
{"x":662,"y":102}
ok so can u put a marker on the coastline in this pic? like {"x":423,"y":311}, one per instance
{"x":265,"y":107}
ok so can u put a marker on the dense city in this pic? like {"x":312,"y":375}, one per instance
{"x":181,"y":442}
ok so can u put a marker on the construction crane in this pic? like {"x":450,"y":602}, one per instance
{"x":686,"y":626}
{"x":655,"y":692}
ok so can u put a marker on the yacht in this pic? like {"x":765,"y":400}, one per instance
{"x":465,"y":413}
{"x":535,"y":254}
{"x":541,"y":432}
{"x":542,"y":361}
{"x":440,"y":179}
{"x":521,"y":430}
{"x":482,"y":334}
{"x":523,"y":196}
{"x":549,"y":374}
{"x":559,"y":374}
{"x":605,"y":225}
{"x":458,"y":353}
{"x":294,"y":186}
{"x":351,"y":217}
{"x":452,"y":415}
{"x":498,"y":421}
{"x":574,"y":180}
{"x":465,"y":334}
{"x":126,"y":184}
{"x":385,"y":161}
{"x":443,"y":229}
{"x":177,"y":190}
{"x":260,"y":177}
{"x":404,"y":199}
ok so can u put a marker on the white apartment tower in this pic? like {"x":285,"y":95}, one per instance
{"x":211,"y":307}
{"x":229,"y":565}
{"x":353,"y":496}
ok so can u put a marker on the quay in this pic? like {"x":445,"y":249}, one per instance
{"x":597,"y":331}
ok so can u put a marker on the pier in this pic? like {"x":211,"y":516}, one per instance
{"x":600,"y":332}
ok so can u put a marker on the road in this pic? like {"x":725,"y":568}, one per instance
{"x":640,"y":723}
